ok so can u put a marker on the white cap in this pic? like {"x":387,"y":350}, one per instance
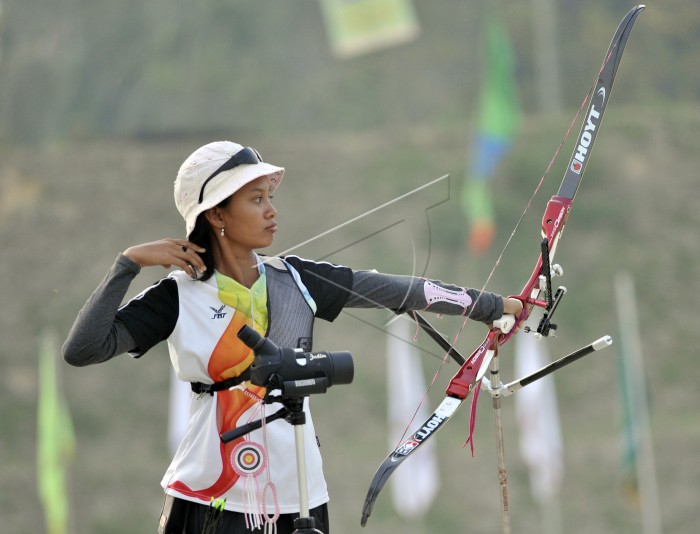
{"x":194,"y":179}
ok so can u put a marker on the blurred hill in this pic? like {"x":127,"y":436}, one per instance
{"x":99,"y":105}
{"x":78,"y":68}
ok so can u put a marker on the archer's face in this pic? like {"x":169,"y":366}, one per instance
{"x":249,"y":217}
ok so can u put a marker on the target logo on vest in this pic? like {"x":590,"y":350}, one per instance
{"x":248,"y":458}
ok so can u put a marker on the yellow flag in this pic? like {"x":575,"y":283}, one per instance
{"x":358,"y":27}
{"x":55,"y":438}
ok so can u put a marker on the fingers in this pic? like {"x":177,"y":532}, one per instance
{"x":167,"y":252}
{"x":189,"y":255}
{"x":512,"y":305}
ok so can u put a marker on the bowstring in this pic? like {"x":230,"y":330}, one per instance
{"x":497,"y":263}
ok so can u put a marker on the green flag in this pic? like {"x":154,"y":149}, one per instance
{"x":498,"y":117}
{"x":56,"y":440}
{"x":499,"y":112}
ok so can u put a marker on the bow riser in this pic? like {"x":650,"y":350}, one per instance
{"x":553,"y":221}
{"x":555,"y":216}
{"x":466,"y":377}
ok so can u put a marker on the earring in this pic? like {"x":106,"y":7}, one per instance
{"x":222,"y":231}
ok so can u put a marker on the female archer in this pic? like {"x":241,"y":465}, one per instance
{"x":223,"y":191}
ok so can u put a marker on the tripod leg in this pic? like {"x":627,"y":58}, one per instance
{"x":301,"y":468}
{"x":304,"y":524}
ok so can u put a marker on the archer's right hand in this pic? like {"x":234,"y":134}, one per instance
{"x":168,"y":252}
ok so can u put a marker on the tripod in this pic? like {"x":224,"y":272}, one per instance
{"x":292,"y":412}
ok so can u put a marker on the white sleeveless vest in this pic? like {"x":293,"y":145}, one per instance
{"x":199,"y":470}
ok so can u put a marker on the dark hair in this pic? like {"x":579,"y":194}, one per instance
{"x":202,"y":234}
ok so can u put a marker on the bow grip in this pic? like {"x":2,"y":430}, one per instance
{"x":505,"y":323}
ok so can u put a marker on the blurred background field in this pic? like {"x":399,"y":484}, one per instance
{"x":100,"y":103}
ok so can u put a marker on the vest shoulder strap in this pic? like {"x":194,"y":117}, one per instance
{"x":275,"y":262}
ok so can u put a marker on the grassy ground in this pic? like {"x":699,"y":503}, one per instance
{"x":65,"y":211}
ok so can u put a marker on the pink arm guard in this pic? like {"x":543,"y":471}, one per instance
{"x":435,"y":293}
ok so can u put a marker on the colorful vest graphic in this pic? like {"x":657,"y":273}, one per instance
{"x":204,"y":347}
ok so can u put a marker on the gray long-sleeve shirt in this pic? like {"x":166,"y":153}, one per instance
{"x":104,"y":328}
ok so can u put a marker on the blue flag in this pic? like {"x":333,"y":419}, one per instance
{"x":497,"y":121}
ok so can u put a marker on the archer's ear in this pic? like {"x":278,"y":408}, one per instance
{"x":213,"y":216}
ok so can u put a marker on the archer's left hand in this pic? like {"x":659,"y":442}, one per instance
{"x":512,"y":306}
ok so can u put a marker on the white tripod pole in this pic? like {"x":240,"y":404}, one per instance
{"x":301,"y":468}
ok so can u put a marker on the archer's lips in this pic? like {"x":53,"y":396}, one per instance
{"x":272,"y":228}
